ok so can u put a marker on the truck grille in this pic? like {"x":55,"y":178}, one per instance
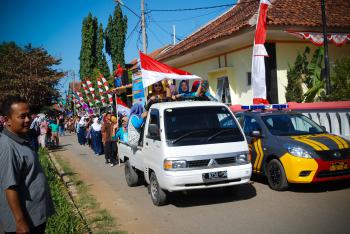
{"x":329,"y":155}
{"x":205,"y":162}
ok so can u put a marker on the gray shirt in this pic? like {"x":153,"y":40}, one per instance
{"x":20,"y":167}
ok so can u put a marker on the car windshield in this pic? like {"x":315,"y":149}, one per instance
{"x":291,"y":125}
{"x":200,"y":125}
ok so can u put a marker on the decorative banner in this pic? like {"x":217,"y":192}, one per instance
{"x":110,"y":98}
{"x":259,"y":54}
{"x":87,"y":94}
{"x":154,"y":71}
{"x":338,"y":39}
{"x":91,"y":88}
{"x":138,"y":92}
{"x":105,"y":83}
{"x":100,"y":90}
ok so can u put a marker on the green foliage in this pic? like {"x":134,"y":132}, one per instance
{"x":88,"y":59}
{"x":66,"y":219}
{"x":314,"y":81}
{"x":296,"y":75}
{"x":29,"y":72}
{"x":101,"y":57}
{"x":340,"y":81}
{"x":115,"y":37}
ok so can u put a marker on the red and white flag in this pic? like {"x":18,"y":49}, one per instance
{"x":91,"y":88}
{"x":154,"y":71}
{"x":259,"y":54}
{"x":122,"y":108}
{"x":105,"y":83}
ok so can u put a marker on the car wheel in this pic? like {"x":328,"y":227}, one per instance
{"x":158,"y":195}
{"x":131,"y":175}
{"x":276,"y":175}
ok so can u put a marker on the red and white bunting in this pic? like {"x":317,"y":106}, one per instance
{"x":316,"y":38}
{"x":91,"y":88}
{"x":259,"y":54}
{"x":100,"y":90}
{"x":105,"y":83}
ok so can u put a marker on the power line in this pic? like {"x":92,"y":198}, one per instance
{"x":129,"y":9}
{"x":193,"y":9}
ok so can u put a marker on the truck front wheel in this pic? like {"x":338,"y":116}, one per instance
{"x":131,"y":175}
{"x":158,"y":195}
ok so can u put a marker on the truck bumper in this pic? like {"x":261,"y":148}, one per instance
{"x":193,"y":179}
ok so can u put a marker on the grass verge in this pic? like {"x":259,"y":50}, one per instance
{"x":66,"y":219}
{"x":98,"y":219}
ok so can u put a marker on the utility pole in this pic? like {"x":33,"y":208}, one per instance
{"x":325,"y":44}
{"x":143,"y":26}
{"x":174,"y":35}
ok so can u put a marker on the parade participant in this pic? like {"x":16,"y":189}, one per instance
{"x":121,"y":133}
{"x":2,"y":122}
{"x":43,"y":131}
{"x":25,"y":201}
{"x":96,"y":137}
{"x":61,"y":125}
{"x":54,"y":132}
{"x":136,"y":121}
{"x":81,"y":131}
{"x":106,"y":131}
{"x":159,"y":92}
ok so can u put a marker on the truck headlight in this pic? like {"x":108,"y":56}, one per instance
{"x":297,"y":151}
{"x":243,"y":158}
{"x":174,"y":164}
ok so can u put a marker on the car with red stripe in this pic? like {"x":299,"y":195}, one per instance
{"x":288,"y":147}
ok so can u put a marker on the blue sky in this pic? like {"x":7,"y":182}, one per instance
{"x":56,"y":25}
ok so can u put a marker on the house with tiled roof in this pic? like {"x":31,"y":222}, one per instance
{"x":221,"y":51}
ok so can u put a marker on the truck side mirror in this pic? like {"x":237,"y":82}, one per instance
{"x":256,"y":133}
{"x":153,"y":130}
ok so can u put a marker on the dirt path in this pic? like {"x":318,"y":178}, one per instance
{"x":105,"y":183}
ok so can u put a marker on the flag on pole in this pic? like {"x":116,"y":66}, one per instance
{"x":154,"y":71}
{"x":259,"y":54}
{"x":122,"y":108}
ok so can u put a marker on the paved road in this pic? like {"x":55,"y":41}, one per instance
{"x":252,"y":208}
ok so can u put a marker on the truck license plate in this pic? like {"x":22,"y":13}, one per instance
{"x":338,"y":166}
{"x":214,"y":175}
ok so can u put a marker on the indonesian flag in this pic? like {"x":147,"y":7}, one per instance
{"x":122,"y":108}
{"x":259,"y":54}
{"x":154,"y":71}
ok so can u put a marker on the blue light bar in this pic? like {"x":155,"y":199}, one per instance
{"x":265,"y":107}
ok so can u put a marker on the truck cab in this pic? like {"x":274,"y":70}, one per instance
{"x":187,"y":145}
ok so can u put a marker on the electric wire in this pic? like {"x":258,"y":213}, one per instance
{"x":193,"y":9}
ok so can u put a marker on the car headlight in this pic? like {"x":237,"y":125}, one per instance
{"x":297,"y":151}
{"x":243,"y":158}
{"x":174,"y":164}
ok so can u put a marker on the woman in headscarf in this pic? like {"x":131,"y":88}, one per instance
{"x":96,"y":137}
{"x":136,"y":120}
{"x":81,"y":131}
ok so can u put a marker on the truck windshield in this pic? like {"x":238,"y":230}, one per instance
{"x":200,"y":125}
{"x":291,"y":125}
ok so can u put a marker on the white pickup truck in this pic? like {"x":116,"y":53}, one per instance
{"x":187,"y":145}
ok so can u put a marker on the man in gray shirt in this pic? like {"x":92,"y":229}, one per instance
{"x":25,"y":201}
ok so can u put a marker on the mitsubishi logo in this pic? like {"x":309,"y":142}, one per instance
{"x":212,"y":162}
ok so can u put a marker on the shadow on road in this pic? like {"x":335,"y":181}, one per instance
{"x":212,"y":196}
{"x":309,"y":188}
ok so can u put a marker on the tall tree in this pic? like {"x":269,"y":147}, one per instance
{"x":115,"y":36}
{"x":101,"y":57}
{"x":29,"y":72}
{"x":88,"y":58}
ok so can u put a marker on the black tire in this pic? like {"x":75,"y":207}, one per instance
{"x":131,"y":175}
{"x":276,"y":176}
{"x":158,"y":195}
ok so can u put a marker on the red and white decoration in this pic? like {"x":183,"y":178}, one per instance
{"x":86,"y":90}
{"x":259,"y":54}
{"x":91,"y":88}
{"x":316,"y":38}
{"x":100,"y":90}
{"x":122,"y":108}
{"x":105,"y":83}
{"x":154,"y":71}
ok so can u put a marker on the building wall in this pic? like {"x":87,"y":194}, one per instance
{"x":239,"y":64}
{"x":286,"y":54}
